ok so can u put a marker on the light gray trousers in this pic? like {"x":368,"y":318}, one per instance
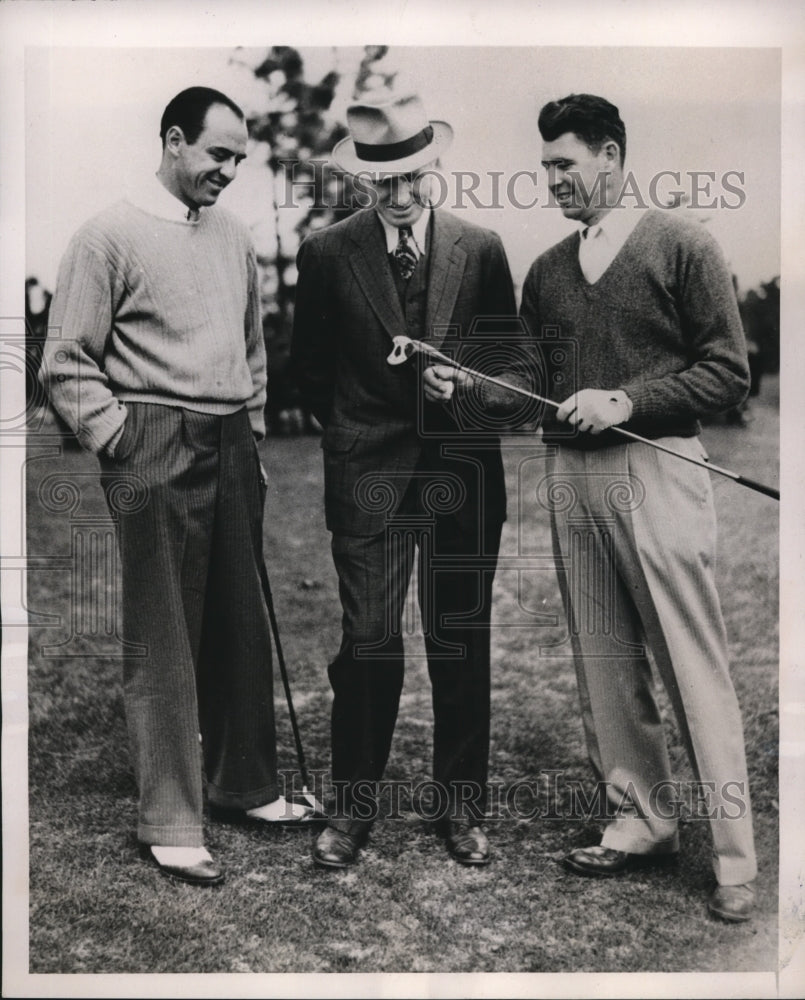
{"x":634,"y":536}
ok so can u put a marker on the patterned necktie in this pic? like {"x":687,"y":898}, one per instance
{"x":404,"y":255}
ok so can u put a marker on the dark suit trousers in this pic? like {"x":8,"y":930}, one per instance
{"x":190,"y":539}
{"x":456,"y":566}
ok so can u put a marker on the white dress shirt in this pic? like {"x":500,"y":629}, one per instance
{"x":155,"y":199}
{"x":419,"y":229}
{"x":600,"y":243}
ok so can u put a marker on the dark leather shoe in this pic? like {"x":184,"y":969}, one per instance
{"x":733,"y":903}
{"x":204,"y":873}
{"x":337,"y":849}
{"x":607,"y":861}
{"x":467,"y":844}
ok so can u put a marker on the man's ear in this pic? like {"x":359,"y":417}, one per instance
{"x":427,"y":178}
{"x":612,"y":151}
{"x":174,"y":139}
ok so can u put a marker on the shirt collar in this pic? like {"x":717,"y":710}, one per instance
{"x":419,"y":229}
{"x":618,"y":223}
{"x":155,"y":199}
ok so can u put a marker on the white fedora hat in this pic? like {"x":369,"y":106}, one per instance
{"x":390,"y":134}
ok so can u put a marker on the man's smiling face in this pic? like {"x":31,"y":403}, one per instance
{"x":204,"y":168}
{"x":401,"y":199}
{"x":579,"y":178}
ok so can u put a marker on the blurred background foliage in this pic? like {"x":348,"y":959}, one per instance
{"x":297,"y":134}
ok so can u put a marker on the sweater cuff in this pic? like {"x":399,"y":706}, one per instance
{"x":258,"y":424}
{"x":102,"y":434}
{"x":639,"y":397}
{"x":111,"y":445}
{"x":497,"y":400}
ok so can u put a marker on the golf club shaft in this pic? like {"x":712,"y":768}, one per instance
{"x":768,"y":491}
{"x":272,"y":617}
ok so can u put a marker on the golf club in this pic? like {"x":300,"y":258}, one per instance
{"x":308,"y":796}
{"x":405,"y":347}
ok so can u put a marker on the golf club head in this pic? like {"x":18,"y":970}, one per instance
{"x":403,"y":349}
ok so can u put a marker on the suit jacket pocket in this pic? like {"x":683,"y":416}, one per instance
{"x":340,"y":440}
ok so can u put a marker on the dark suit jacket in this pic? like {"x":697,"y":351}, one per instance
{"x":375,"y":421}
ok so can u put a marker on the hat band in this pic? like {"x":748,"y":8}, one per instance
{"x":384,"y":153}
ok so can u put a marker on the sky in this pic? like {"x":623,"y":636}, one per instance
{"x":92,"y":116}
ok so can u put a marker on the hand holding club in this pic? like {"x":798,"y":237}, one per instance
{"x":405,"y":348}
{"x":440,"y":382}
{"x":595,"y":410}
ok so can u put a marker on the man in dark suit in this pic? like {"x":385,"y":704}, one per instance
{"x":403,"y":472}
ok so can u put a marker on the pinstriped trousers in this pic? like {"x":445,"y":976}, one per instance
{"x":634,"y":534}
{"x":191,"y":557}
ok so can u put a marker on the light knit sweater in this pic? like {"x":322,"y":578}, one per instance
{"x":148,"y":309}
{"x":661,"y":323}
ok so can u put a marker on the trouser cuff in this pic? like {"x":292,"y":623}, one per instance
{"x":243,"y":800}
{"x":638,"y":842}
{"x":170,"y":836}
{"x":734,"y":871}
{"x":354,"y":827}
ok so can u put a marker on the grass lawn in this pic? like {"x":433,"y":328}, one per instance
{"x":96,"y":908}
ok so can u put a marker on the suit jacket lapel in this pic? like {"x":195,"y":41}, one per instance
{"x":370,"y":267}
{"x":447,"y":264}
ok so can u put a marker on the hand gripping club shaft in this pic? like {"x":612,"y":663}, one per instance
{"x":405,"y":347}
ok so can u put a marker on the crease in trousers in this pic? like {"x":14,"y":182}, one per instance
{"x":456,"y":567}
{"x":634,"y":535}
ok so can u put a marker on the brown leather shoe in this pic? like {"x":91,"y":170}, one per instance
{"x":467,"y":844}
{"x":337,"y":849}
{"x":733,"y":903}
{"x":605,"y":861}
{"x":203,"y":873}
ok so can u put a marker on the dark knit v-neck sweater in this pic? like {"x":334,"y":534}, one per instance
{"x":661,"y":323}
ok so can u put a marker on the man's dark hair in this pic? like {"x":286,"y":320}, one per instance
{"x":591,"y":118}
{"x":189,"y":110}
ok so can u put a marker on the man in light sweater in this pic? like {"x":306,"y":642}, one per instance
{"x":156,"y":360}
{"x":647,"y":301}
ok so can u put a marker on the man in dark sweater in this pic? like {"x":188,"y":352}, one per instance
{"x":637,"y":313}
{"x":401,"y":475}
{"x":646,"y":301}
